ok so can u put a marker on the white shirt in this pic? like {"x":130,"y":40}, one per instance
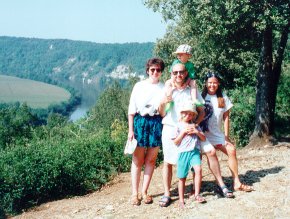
{"x":215,"y":132}
{"x":145,"y":98}
{"x":179,"y":97}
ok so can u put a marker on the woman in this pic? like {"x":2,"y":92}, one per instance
{"x":145,"y":126}
{"x":218,"y":107}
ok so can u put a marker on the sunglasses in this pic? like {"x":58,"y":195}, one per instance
{"x":178,"y":72}
{"x":155,"y":69}
{"x":212,"y":74}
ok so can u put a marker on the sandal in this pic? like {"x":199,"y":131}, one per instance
{"x":147,"y":199}
{"x":225,"y":192}
{"x":199,"y":199}
{"x":165,"y":201}
{"x":181,"y":205}
{"x":245,"y":188}
{"x":135,"y":200}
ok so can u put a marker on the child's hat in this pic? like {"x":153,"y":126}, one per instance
{"x":184,"y":48}
{"x":188,"y":106}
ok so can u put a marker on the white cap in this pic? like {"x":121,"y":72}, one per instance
{"x":188,"y":106}
{"x":184,"y":48}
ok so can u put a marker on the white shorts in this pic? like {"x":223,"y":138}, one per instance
{"x":169,"y":149}
{"x":206,"y":146}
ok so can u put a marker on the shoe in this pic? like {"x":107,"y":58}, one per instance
{"x":199,"y":199}
{"x":245,"y":188}
{"x":135,"y":200}
{"x":165,"y":201}
{"x":147,"y":199}
{"x":225,"y":192}
{"x":181,"y":205}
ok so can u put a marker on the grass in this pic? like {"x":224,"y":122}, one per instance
{"x":35,"y":94}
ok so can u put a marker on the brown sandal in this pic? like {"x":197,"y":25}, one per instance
{"x":245,"y":188}
{"x":135,"y":200}
{"x":147,"y":199}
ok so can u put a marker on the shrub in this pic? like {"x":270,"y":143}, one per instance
{"x":51,"y":169}
{"x":242,"y":114}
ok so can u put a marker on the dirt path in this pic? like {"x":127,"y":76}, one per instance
{"x":267,"y":168}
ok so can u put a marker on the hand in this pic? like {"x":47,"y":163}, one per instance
{"x":190,"y":129}
{"x":228,"y":142}
{"x":131,"y":135}
{"x":167,"y":99}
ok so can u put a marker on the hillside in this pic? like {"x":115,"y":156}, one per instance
{"x":35,"y":94}
{"x":266,"y":168}
{"x":86,"y":66}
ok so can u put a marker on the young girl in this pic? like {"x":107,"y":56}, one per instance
{"x":218,"y":107}
{"x":188,"y":151}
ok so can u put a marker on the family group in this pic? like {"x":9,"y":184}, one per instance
{"x":186,"y":122}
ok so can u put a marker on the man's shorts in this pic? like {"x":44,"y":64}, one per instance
{"x":187,"y":160}
{"x":169,"y":149}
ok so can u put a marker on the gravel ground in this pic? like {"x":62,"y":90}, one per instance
{"x":266,"y":168}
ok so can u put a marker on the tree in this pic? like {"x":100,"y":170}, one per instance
{"x":237,"y":38}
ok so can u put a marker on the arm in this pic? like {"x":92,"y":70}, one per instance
{"x":179,"y":137}
{"x":201,"y":135}
{"x":201,"y":114}
{"x":164,"y":101}
{"x":226,"y":117}
{"x":131,"y":126}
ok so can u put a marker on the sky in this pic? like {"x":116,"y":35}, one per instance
{"x":101,"y":21}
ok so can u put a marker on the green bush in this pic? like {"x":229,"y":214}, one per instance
{"x":242,"y":115}
{"x":51,"y":169}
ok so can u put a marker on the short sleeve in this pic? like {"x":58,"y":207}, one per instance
{"x":228,"y":103}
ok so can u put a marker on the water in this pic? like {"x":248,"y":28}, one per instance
{"x":80,"y":112}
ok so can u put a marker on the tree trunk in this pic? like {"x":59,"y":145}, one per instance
{"x":267,"y":85}
{"x":277,"y":70}
{"x":264,"y":107}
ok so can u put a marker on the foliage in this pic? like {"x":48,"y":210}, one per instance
{"x":60,"y":161}
{"x":16,"y":123}
{"x":112,"y":104}
{"x":282,"y":125}
{"x":62,"y":61}
{"x":242,"y":115}
{"x":227,"y":36}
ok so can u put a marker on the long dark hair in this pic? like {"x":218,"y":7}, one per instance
{"x":219,"y":94}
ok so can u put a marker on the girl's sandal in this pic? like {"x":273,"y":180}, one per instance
{"x":199,"y":199}
{"x":135,"y":200}
{"x":181,"y":205}
{"x":147,"y":199}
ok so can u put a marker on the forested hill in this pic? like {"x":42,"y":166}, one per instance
{"x":58,"y":60}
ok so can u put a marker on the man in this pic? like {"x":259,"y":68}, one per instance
{"x":180,"y":94}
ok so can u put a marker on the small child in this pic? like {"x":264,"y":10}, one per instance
{"x":183,"y":53}
{"x":186,"y":138}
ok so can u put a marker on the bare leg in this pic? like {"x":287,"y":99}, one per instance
{"x":214,"y":166}
{"x":136,"y":167}
{"x":197,"y":179}
{"x":150,"y":160}
{"x":167,"y":178}
{"x":181,"y":188}
{"x":230,"y":151}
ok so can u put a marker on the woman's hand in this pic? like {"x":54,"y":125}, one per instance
{"x":228,"y":142}
{"x":130,"y":135}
